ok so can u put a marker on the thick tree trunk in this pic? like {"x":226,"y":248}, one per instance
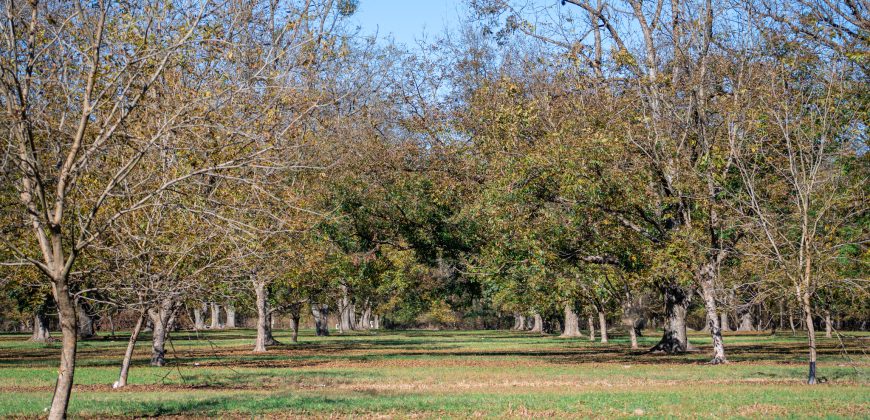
{"x":66,"y":310}
{"x":215,"y":316}
{"x":320,"y":312}
{"x":746,"y":321}
{"x":86,"y":322}
{"x":377,"y":322}
{"x":572,"y":322}
{"x":346,"y":311}
{"x":519,"y":322}
{"x":591,"y":323}
{"x":198,"y":321}
{"x":723,"y":321}
{"x":630,"y":320}
{"x":365,"y":321}
{"x":40,"y":328}
{"x":128,"y":354}
{"x":160,"y":323}
{"x":230,"y":308}
{"x":674,"y":338}
{"x":264,"y":321}
{"x":602,"y":325}
{"x":706,"y":278}
{"x":538,"y":326}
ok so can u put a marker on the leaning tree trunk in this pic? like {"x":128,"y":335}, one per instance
{"x":128,"y":354}
{"x":591,"y":324}
{"x":806,"y":305}
{"x":86,"y":322}
{"x":230,"y":309}
{"x":602,"y":325}
{"x":40,"y":328}
{"x":160,"y":323}
{"x":264,"y":324}
{"x":215,"y":316}
{"x":538,"y":326}
{"x":320,"y":312}
{"x":198,"y":321}
{"x":707,"y":275}
{"x":674,"y":338}
{"x":66,"y":311}
{"x":572,"y":322}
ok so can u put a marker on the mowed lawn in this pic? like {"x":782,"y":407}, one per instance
{"x":443,"y":374}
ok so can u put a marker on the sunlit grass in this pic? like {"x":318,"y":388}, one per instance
{"x":448,"y":373}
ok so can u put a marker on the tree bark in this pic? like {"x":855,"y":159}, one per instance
{"x":519,"y":322}
{"x":572,"y":322}
{"x":215,"y":316}
{"x":198,"y":321}
{"x":230,"y":309}
{"x":40,"y":327}
{"x":746,"y":321}
{"x":591,"y":323}
{"x":86,"y":322}
{"x":723,"y":321}
{"x":707,"y":276}
{"x":66,"y":310}
{"x":630,"y":319}
{"x":828,"y":324}
{"x":377,"y":322}
{"x":674,"y":338}
{"x":320,"y":312}
{"x":264,"y":324}
{"x":160,"y":323}
{"x":346,"y":311}
{"x":365,"y":321}
{"x":128,"y":354}
{"x":538,"y":326}
{"x":602,"y":325}
{"x":811,"y":334}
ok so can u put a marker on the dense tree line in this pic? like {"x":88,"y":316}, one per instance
{"x":652,"y":164}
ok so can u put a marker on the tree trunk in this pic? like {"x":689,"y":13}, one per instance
{"x":674,"y":338}
{"x":128,"y":354}
{"x":230,"y":308}
{"x":215,"y":316}
{"x":828,"y":324}
{"x":591,"y":323}
{"x":198,"y":321}
{"x":66,"y":310}
{"x":811,"y":335}
{"x":630,"y":319}
{"x":264,"y":324}
{"x":572,"y":322}
{"x":346,"y":311}
{"x":746,"y":321}
{"x":40,"y":328}
{"x":160,"y":322}
{"x":365,"y":321}
{"x":320,"y":311}
{"x":723,"y":321}
{"x":519,"y":322}
{"x":538,"y":327}
{"x":377,"y":322}
{"x":602,"y":325}
{"x":86,"y":322}
{"x":706,"y":278}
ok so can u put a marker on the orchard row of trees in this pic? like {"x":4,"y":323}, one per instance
{"x":644,"y":163}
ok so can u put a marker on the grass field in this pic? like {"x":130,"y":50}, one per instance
{"x":443,"y":374}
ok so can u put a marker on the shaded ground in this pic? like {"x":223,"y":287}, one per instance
{"x":443,"y":374}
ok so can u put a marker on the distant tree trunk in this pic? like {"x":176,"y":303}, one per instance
{"x":746,"y":321}
{"x":828,"y":324}
{"x":630,"y":319}
{"x":723,"y":320}
{"x":198,"y":322}
{"x":591,"y":323}
{"x":602,"y":325}
{"x":40,"y":327}
{"x":230,"y":308}
{"x":538,"y":326}
{"x":345,"y":311}
{"x":572,"y":322}
{"x":519,"y":322}
{"x":86,"y":323}
{"x":160,"y":321}
{"x":365,"y":321}
{"x":674,"y":338}
{"x":128,"y":354}
{"x":320,"y":311}
{"x":264,"y":321}
{"x":377,"y":322}
{"x":215,"y":316}
{"x":791,"y":323}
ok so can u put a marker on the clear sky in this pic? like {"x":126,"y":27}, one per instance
{"x":407,"y":20}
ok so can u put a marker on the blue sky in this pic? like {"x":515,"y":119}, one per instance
{"x":405,"y":20}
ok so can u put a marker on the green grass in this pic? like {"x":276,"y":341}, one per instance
{"x":443,"y":374}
